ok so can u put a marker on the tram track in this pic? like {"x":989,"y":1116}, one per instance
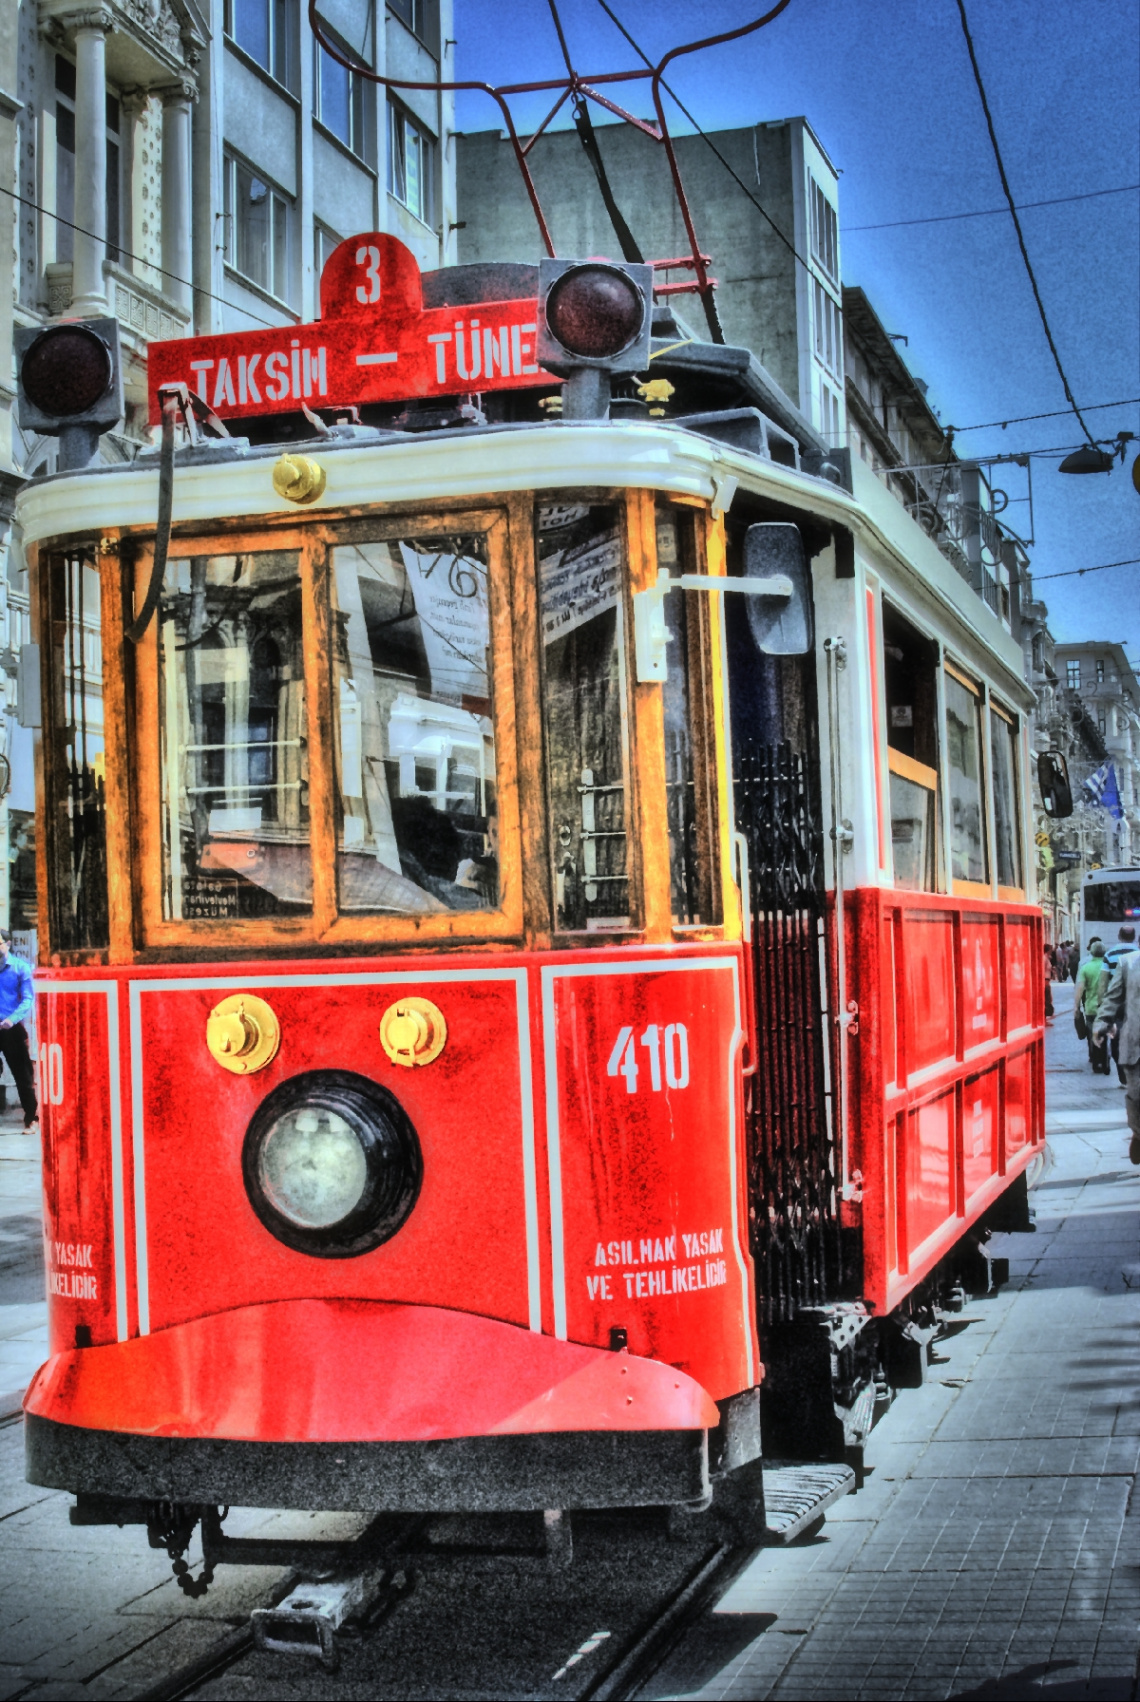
{"x":472,"y":1629}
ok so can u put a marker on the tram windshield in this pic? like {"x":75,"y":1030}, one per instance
{"x":580,"y":558}
{"x":416,"y":749}
{"x":234,"y":744}
{"x":1112,"y":900}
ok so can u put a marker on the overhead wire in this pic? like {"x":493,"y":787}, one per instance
{"x":737,"y":179}
{"x":1054,"y":413}
{"x":1079,"y":572}
{"x":1017,"y":222}
{"x":993,"y":212}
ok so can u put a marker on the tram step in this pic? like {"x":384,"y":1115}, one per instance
{"x":796,"y":1496}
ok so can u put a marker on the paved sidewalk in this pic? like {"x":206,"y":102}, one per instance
{"x":23,"y":1310}
{"x":994,"y":1549}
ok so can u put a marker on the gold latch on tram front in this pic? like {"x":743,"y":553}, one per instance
{"x":413,"y":1031}
{"x":298,"y":479}
{"x":243,"y":1034}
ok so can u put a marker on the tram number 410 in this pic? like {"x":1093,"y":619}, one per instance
{"x":667,"y":1055}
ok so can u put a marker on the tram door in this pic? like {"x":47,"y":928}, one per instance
{"x":792,"y":1173}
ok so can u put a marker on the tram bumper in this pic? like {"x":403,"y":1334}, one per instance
{"x":366,"y":1405}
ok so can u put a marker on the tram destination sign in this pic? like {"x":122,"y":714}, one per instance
{"x":375,"y":342}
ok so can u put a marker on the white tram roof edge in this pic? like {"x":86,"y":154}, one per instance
{"x":472,"y":464}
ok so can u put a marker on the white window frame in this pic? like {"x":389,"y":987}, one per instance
{"x":360,"y":140}
{"x":401,"y":126}
{"x":281,"y":206}
{"x":277,"y":49}
{"x":824,"y":231}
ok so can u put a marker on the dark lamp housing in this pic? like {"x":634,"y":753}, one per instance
{"x":595,"y":311}
{"x":331,"y":1163}
{"x":67,"y":370}
{"x":1086,"y":459}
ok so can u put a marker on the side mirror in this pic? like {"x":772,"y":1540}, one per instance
{"x":780,"y":626}
{"x":1053,"y":779}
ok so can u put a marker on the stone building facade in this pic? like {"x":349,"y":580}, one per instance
{"x":186,"y":166}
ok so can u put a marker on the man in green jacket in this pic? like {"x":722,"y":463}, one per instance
{"x":1120,"y":1006}
{"x":1092,"y":984}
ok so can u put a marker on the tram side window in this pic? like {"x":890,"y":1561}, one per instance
{"x":235,"y":783}
{"x":75,"y":758}
{"x":910,"y":673}
{"x":690,"y":803}
{"x":1007,"y":815}
{"x":968,"y":860}
{"x":415,"y":746}
{"x":580,"y":563}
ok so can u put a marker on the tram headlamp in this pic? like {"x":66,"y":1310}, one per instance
{"x":332,"y":1165}
{"x":594,"y":313}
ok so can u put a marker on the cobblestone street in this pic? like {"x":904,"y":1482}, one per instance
{"x":992,"y":1552}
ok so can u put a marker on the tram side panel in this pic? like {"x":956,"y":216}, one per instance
{"x":83,"y":1168}
{"x":948,"y":1106}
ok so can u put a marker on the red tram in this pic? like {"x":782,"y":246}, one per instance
{"x":536,"y":943}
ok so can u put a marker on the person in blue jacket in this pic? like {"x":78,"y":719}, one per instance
{"x":17,"y":1000}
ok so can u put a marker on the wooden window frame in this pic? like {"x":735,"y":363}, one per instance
{"x":324,"y":925}
{"x":967,"y":888}
{"x":1011,"y":894}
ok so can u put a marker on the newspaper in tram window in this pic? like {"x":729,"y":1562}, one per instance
{"x":579,"y":583}
{"x":450,"y":593}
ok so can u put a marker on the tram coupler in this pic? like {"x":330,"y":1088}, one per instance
{"x":307,"y":1620}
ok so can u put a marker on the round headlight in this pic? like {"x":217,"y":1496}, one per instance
{"x":595,"y":311}
{"x":67,"y":370}
{"x":332,"y":1165}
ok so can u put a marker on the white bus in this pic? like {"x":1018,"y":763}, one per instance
{"x":1110,"y":909}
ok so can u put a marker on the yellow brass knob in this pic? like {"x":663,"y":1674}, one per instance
{"x":242,"y":1034}
{"x":298,"y":479}
{"x":413,"y":1031}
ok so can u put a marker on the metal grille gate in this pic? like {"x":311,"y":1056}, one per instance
{"x":792,"y":1189}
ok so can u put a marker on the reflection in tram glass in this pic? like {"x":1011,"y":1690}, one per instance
{"x":416,"y":749}
{"x":234,"y":738}
{"x":580,"y":559}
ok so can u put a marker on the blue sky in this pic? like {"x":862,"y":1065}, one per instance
{"x":887,"y":86}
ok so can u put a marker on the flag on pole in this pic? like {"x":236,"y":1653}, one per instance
{"x":1103,"y":790}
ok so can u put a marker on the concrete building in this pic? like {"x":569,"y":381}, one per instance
{"x":776,"y":256}
{"x":892,"y":427}
{"x":187,"y":166}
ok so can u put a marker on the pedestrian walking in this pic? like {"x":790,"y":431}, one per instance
{"x":17,"y":1001}
{"x":1121,"y":1007}
{"x":1048,"y":984}
{"x":1074,"y":960}
{"x":1092,"y":983}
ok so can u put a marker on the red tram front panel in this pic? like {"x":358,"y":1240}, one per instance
{"x":647,"y":1164}
{"x":581,"y":1143}
{"x":470,"y":1244}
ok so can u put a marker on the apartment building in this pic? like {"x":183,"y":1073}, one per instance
{"x":186,"y":166}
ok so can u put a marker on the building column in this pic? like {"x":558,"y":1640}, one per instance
{"x":88,"y":288}
{"x":177,"y":224}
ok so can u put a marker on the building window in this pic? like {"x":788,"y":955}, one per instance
{"x":340,"y":103}
{"x":1099,"y":672}
{"x":828,"y":331}
{"x":410,"y":12}
{"x":410,"y":161}
{"x":1073,"y":675}
{"x":65,"y":165}
{"x":824,"y":231}
{"x":324,"y":241}
{"x":267,"y":31}
{"x":829,"y":414}
{"x":259,"y":230}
